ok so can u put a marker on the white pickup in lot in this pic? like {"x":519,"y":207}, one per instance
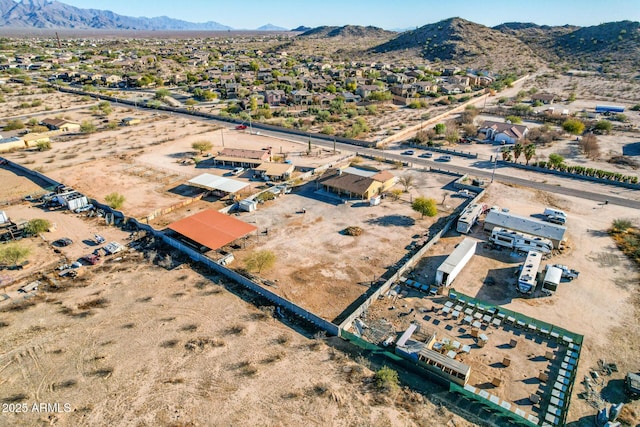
{"x":567,"y":273}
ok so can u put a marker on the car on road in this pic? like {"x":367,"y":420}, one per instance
{"x":241,"y":127}
{"x":408,"y":152}
{"x":426,"y":155}
{"x":445,"y":158}
{"x":65,"y":241}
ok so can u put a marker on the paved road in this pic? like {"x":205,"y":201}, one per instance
{"x":565,"y":188}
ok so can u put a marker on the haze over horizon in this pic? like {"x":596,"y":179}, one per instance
{"x":404,"y":14}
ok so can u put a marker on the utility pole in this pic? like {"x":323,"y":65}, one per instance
{"x":495,"y":163}
{"x":222,"y":134}
{"x":334,"y":145}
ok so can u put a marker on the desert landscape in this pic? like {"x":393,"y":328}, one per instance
{"x":110,"y":314}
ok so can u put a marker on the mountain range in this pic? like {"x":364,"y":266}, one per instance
{"x":455,"y":39}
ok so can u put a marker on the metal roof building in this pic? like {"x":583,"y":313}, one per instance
{"x":532,"y":226}
{"x":211,"y":229}
{"x":217,"y":183}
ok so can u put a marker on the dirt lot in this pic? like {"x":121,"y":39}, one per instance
{"x":317,"y":265}
{"x":135,"y":345}
{"x":600,"y":304}
{"x":21,"y":100}
{"x":149,"y":162}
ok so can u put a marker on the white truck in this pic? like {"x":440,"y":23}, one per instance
{"x":567,"y":273}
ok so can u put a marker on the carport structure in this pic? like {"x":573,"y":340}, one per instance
{"x":218,"y":185}
{"x":210,"y":229}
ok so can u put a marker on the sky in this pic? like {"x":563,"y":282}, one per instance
{"x":388,"y":14}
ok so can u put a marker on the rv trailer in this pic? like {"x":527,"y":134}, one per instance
{"x":469,"y":216}
{"x":518,"y":241}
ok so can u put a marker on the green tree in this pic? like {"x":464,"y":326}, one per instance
{"x":37,"y":226}
{"x":351,"y":86}
{"x":517,"y":151}
{"x":387,"y":379}
{"x":254,"y":66}
{"x":555,"y":160}
{"x":440,"y":128}
{"x":115,"y":200}
{"x":14,"y":125}
{"x":202,"y":146}
{"x":261,"y":260}
{"x":13,"y":253}
{"x":529,"y":152}
{"x":573,"y":126}
{"x":604,"y":126}
{"x":87,"y":127}
{"x":513,"y":119}
{"x":425,"y":206}
{"x":506,"y":154}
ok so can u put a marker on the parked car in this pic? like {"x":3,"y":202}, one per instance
{"x":426,"y":155}
{"x":65,"y":241}
{"x":92,"y":259}
{"x":445,"y":158}
{"x":465,"y":193}
{"x":237,"y":171}
{"x":241,"y":127}
{"x":408,"y":152}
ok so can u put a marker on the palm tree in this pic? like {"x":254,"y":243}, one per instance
{"x":517,"y":151}
{"x":529,"y":152}
{"x":506,"y":153}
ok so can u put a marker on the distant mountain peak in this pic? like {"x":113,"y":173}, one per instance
{"x":346,"y":31}
{"x":54,"y":14}
{"x":271,"y":27}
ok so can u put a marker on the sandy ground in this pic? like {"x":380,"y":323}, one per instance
{"x":599,"y":304}
{"x":138,"y":345}
{"x":317,"y":265}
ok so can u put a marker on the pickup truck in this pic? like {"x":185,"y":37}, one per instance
{"x":567,"y":273}
{"x":632,"y":384}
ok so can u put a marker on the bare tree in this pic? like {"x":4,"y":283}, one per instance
{"x":406,"y":181}
{"x":589,"y":146}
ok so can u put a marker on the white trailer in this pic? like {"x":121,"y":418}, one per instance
{"x":552,"y":278}
{"x":519,"y":241}
{"x":528,"y":278}
{"x":468,"y":217}
{"x":455,"y":262}
{"x":3,"y":217}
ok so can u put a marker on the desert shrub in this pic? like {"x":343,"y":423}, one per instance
{"x":260,"y":260}
{"x":265,"y":196}
{"x":621,"y":225}
{"x":353,"y":231}
{"x":37,"y":226}
{"x":386,"y":379}
{"x":115,"y":200}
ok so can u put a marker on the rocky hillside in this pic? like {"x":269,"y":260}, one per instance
{"x":596,"y":47}
{"x":347,"y":31}
{"x":54,"y":14}
{"x":466,"y":43}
